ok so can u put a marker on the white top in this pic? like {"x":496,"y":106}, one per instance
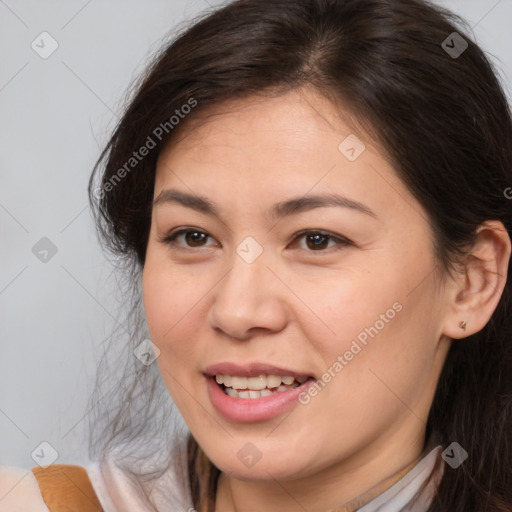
{"x":118,"y":492}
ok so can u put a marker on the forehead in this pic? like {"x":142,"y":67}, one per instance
{"x":262,"y":147}
{"x":263,"y":130}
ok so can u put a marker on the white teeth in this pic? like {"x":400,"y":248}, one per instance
{"x":273,"y":381}
{"x":249,"y":393}
{"x":259,"y":386}
{"x":231,"y":392}
{"x":259,"y":382}
{"x":239,"y":382}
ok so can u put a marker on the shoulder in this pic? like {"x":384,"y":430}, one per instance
{"x":142,"y":484}
{"x":19,"y":490}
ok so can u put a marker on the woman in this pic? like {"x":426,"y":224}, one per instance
{"x":311,"y":198}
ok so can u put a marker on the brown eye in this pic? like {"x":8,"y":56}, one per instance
{"x":193,"y":238}
{"x":317,"y":241}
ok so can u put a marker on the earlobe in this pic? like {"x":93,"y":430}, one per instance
{"x":476,"y":291}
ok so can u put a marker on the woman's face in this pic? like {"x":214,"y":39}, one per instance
{"x":342,"y":293}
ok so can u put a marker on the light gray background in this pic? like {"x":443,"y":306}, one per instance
{"x":55,"y":115}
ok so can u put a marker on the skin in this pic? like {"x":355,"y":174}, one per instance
{"x":301,"y":307}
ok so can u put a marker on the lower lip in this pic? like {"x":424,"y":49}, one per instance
{"x":253,"y":409}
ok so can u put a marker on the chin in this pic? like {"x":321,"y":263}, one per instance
{"x":252,"y":464}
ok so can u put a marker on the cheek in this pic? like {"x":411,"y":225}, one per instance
{"x":157,"y":303}
{"x":384,"y":361}
{"x":379,"y":338}
{"x":166,"y":314}
{"x":169,"y":297}
{"x":174,"y":302}
{"x":354,"y":306}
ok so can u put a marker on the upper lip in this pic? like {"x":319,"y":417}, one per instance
{"x":250,"y":370}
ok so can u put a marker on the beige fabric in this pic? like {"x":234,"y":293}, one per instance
{"x":19,"y":491}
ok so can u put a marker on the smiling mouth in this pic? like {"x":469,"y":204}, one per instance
{"x":257,"y":387}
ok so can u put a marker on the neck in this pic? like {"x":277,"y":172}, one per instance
{"x":342,"y":488}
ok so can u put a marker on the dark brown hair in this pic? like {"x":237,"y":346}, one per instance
{"x":445,"y":123}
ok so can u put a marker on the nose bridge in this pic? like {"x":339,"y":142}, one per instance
{"x":246,"y":297}
{"x":242,"y":286}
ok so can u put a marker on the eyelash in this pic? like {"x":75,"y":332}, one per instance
{"x":340,"y":241}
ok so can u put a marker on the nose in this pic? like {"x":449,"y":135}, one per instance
{"x":248,"y":299}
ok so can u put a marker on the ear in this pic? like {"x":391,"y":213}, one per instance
{"x":476,"y":290}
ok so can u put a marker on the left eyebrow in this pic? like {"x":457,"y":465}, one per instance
{"x":282,"y":209}
{"x":300,"y":204}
